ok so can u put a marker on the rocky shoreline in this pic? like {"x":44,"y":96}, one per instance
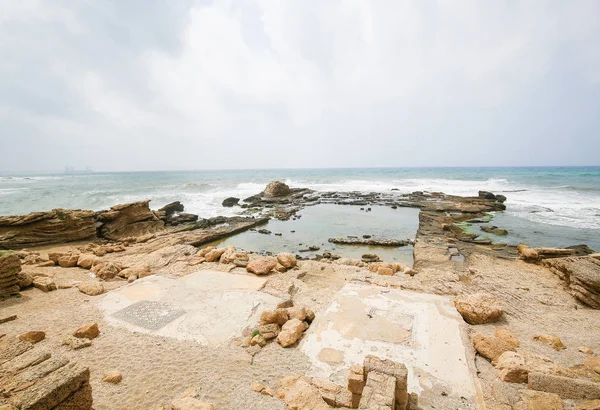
{"x":513,"y":299}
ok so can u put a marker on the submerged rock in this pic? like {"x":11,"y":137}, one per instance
{"x":494,"y":230}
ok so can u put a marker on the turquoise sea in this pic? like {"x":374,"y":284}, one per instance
{"x":546,"y":206}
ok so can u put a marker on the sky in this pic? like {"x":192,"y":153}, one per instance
{"x":125,"y":85}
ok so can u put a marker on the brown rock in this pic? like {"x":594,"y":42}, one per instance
{"x":25,"y":280}
{"x":214,"y":254}
{"x":139,"y":271}
{"x":261,"y":266}
{"x":310,"y":315}
{"x":287,"y":260}
{"x":258,"y":340}
{"x":356,"y":379}
{"x":44,"y":283}
{"x":512,"y":367}
{"x":75,"y":343}
{"x":89,"y":331}
{"x":91,"y":288}
{"x":528,"y":254}
{"x":535,"y":400}
{"x":106,"y":270}
{"x":297,"y":312}
{"x":46,"y":264}
{"x":593,"y":363}
{"x":69,"y":260}
{"x":585,"y":350}
{"x":298,"y":393}
{"x":278,"y":316}
{"x":589,"y":405}
{"x":129,"y":220}
{"x":291,"y":331}
{"x":269,"y":331}
{"x":204,"y":251}
{"x":490,"y":347}
{"x":86,"y":260}
{"x":113,"y":376}
{"x":552,"y":341}
{"x":385,"y":271}
{"x":478,"y":308}
{"x":276,"y":189}
{"x":506,"y":335}
{"x":565,"y":387}
{"x":33,"y":336}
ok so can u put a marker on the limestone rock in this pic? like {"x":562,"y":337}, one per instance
{"x":86,"y":260}
{"x":113,"y":376}
{"x":356,"y":379}
{"x":44,"y":283}
{"x":506,"y":335}
{"x":10,"y":268}
{"x":139,"y":271}
{"x":287,"y":260}
{"x":297,"y":312}
{"x":278,"y":316}
{"x":589,"y":405}
{"x":291,"y":331}
{"x":68,"y":260}
{"x":89,"y":331}
{"x":91,"y":288}
{"x":512,"y":367}
{"x":490,"y":347}
{"x":593,"y":363}
{"x":276,"y":189}
{"x":535,"y":400}
{"x":214,"y":254}
{"x":190,"y":403}
{"x":76,"y":343}
{"x":298,"y":393}
{"x":585,"y":350}
{"x":565,"y":387}
{"x":45,"y":228}
{"x":581,"y":274}
{"x":478,"y":308}
{"x":33,"y":336}
{"x":106,"y":269}
{"x":258,"y":340}
{"x":269,"y":331}
{"x":528,"y":254}
{"x":261,"y":266}
{"x":128,"y":220}
{"x":552,"y":341}
{"x":24,"y":280}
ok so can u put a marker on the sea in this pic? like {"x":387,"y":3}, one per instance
{"x":546,"y":206}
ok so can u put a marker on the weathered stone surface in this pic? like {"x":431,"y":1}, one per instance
{"x":261,"y":266}
{"x":287,"y":260}
{"x":506,"y":335}
{"x":397,"y":371}
{"x":33,"y":336}
{"x":106,"y":269}
{"x":68,"y":260}
{"x":10,"y":268}
{"x":276,"y":189}
{"x":91,"y":288}
{"x":86,"y":260}
{"x":214,"y":254}
{"x":127,"y":220}
{"x":89,"y":331}
{"x":565,"y":387}
{"x":379,"y":392}
{"x":291,"y":331}
{"x":593,"y":363}
{"x":139,"y":271}
{"x":76,"y":343}
{"x":269,"y":331}
{"x":278,"y":316}
{"x":44,"y":283}
{"x":356,"y":379}
{"x":582,"y":276}
{"x":512,"y":367}
{"x":44,"y":228}
{"x":589,"y":405}
{"x":299,"y":393}
{"x":258,"y":340}
{"x":479,"y":308}
{"x":171,"y":208}
{"x":297,"y":312}
{"x":490,"y":347}
{"x":113,"y":376}
{"x":550,"y":340}
{"x":535,"y":400}
{"x":528,"y":254}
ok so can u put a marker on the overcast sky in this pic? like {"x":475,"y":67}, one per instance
{"x":141,"y":85}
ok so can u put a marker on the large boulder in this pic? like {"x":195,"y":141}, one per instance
{"x":261,"y":266}
{"x":171,"y":208}
{"x":491,"y":347}
{"x":230,"y":202}
{"x":276,"y":189}
{"x":291,"y":331}
{"x":287,"y":260}
{"x":10,"y":268}
{"x":45,"y":228}
{"x":479,"y":308}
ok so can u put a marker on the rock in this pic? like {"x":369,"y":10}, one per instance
{"x":299,"y":394}
{"x":33,"y":336}
{"x":490,"y":347}
{"x":287,"y":260}
{"x":258,"y":340}
{"x":204,"y":251}
{"x":76,"y":343}
{"x":535,"y":400}
{"x":500,"y":198}
{"x":257,"y":387}
{"x":395,"y":388}
{"x":230,"y":202}
{"x":385,"y":271}
{"x":528,"y":254}
{"x":113,"y":376}
{"x":46,"y":264}
{"x":91,"y":288}
{"x":582,"y":276}
{"x":479,"y":308}
{"x":350,"y":262}
{"x":89,"y":331}
{"x":297,"y":313}
{"x":310,"y":315}
{"x":291,"y":331}
{"x":370,"y":257}
{"x":585,"y":350}
{"x":86,"y":260}
{"x":565,"y":387}
{"x":276,"y":189}
{"x":172,"y":208}
{"x":190,"y":403}
{"x":214,"y":254}
{"x":181,"y":218}
{"x":552,"y":341}
{"x":589,"y":405}
{"x":278,"y":316}
{"x":106,"y":269}
{"x":356,"y":379}
{"x":487,"y":195}
{"x":138,"y":271}
{"x":264,"y":231}
{"x":512,"y":367}
{"x":494,"y":230}
{"x":261,"y":266}
{"x":269,"y":331}
{"x":10,"y":268}
{"x":506,"y":335}
{"x":24,"y":280}
{"x":593,"y":363}
{"x":44,"y":283}
{"x":128,"y":220}
{"x":45,"y":228}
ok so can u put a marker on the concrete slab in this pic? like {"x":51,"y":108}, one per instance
{"x":424,"y":332}
{"x":208,"y":307}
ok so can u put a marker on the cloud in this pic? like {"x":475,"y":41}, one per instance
{"x":126,"y":85}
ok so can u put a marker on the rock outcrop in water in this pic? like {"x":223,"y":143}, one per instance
{"x":276,"y":189}
{"x":353,"y":240}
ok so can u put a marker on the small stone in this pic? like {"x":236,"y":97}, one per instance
{"x":512,"y":367}
{"x":44,"y":283}
{"x":258,"y":340}
{"x":76,"y":343}
{"x":269,"y":331}
{"x":33,"y":336}
{"x":285,"y":304}
{"x":585,"y":350}
{"x":262,"y":266}
{"x":279,"y":316}
{"x":91,"y":288}
{"x":287,"y":260}
{"x":257,"y":387}
{"x":113,"y":376}
{"x":89,"y":331}
{"x":310,"y":315}
{"x":552,"y":341}
{"x":290,"y":332}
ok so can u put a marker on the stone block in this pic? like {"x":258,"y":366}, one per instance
{"x":565,"y":387}
{"x":390,"y":368}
